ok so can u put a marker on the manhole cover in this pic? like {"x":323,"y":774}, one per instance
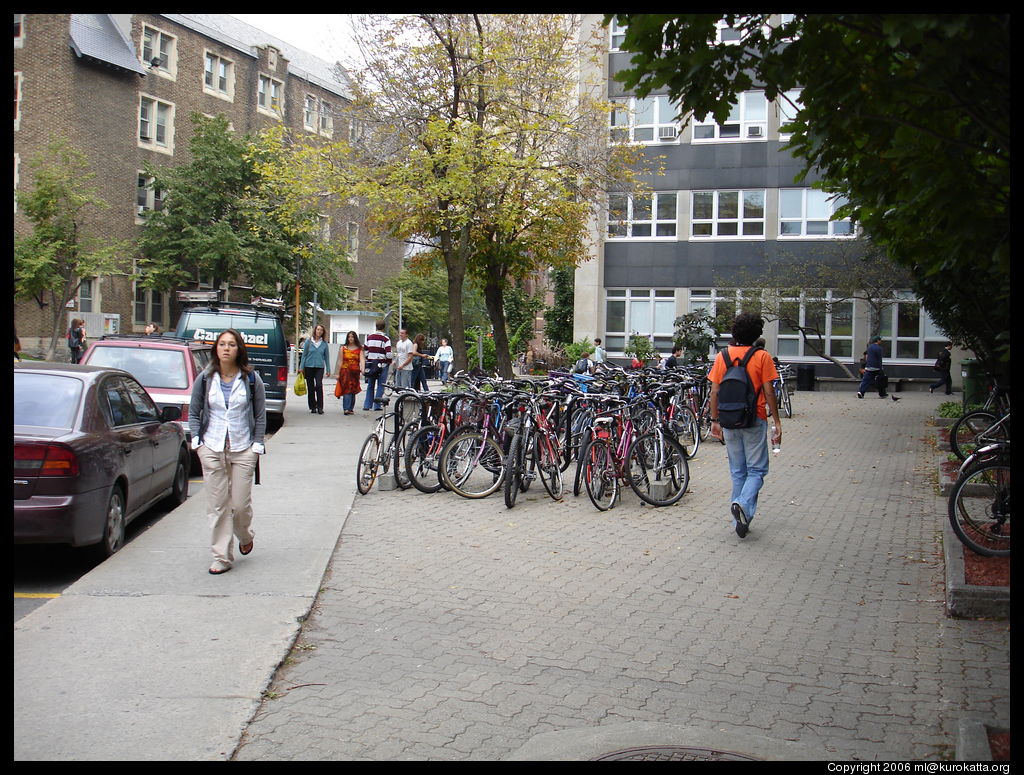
{"x":673,"y":753}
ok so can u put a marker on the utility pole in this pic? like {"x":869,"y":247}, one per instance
{"x":298,"y":310}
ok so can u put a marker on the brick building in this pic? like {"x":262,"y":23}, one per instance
{"x":121,"y":88}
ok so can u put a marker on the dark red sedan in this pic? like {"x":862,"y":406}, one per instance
{"x":91,"y":453}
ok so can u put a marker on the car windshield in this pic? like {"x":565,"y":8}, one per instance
{"x":46,"y":400}
{"x":154,"y":368}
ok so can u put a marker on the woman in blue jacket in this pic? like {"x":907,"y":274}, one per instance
{"x":316,"y":361}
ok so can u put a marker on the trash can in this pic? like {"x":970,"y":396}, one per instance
{"x":805,"y":377}
{"x":974,"y":382}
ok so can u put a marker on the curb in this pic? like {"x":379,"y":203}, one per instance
{"x":972,"y":741}
{"x":969,"y":601}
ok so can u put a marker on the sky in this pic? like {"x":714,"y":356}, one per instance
{"x":325,"y":35}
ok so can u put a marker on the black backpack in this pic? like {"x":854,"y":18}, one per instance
{"x":737,"y":396}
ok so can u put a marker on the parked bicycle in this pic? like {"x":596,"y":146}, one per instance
{"x":979,"y":503}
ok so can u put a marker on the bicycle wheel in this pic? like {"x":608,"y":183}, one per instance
{"x":656,"y":468}
{"x":549,"y":466}
{"x":579,"y":432}
{"x":515,"y":462}
{"x":366,"y":468}
{"x":599,"y":475}
{"x":979,"y":508}
{"x":581,"y":460}
{"x":421,"y":459}
{"x":966,"y":429}
{"x":787,"y":400}
{"x":472,"y":465}
{"x":398,"y":449}
{"x":687,"y":429}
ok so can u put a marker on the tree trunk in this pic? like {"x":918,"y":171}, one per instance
{"x":493,"y":290}
{"x":455,"y":262}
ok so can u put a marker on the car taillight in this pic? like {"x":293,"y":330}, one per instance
{"x":282,"y":374}
{"x":45,"y":460}
{"x":184,"y":413}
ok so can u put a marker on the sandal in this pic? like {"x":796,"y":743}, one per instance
{"x":243,"y":550}
{"x":217,"y":571}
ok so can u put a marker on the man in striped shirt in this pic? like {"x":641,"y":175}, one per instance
{"x":378,"y":358}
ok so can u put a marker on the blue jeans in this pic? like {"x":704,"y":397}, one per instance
{"x":748,"y":463}
{"x":869,"y":383}
{"x":444,"y":366}
{"x":375,"y":388}
{"x":348,"y":402}
{"x":403,"y":378}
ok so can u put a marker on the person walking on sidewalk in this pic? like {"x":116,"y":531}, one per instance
{"x":377,"y":354}
{"x":443,"y":357}
{"x":419,"y":364}
{"x":76,"y":339}
{"x":351,"y":363}
{"x":228,"y":420}
{"x":747,"y":448}
{"x":403,"y":360}
{"x":316,"y":361}
{"x":874,"y":376}
{"x":943,"y":364}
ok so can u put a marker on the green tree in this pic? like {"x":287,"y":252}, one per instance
{"x":424,"y":296}
{"x":222,"y":219}
{"x":905,"y":115}
{"x":558,"y":318}
{"x":695,"y":331}
{"x":64,"y":246}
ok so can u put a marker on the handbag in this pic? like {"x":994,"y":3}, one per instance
{"x":300,"y":384}
{"x":337,"y":388}
{"x":372,"y":369}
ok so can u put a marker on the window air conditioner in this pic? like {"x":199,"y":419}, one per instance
{"x":668,"y":133}
{"x":755,"y":131}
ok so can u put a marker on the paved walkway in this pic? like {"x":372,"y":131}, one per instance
{"x":449,"y":629}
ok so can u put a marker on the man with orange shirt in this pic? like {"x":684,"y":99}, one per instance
{"x":747,"y":447}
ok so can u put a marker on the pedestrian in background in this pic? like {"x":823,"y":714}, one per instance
{"x":228,"y":420}
{"x":316,"y":361}
{"x":599,"y":355}
{"x":747,"y":448}
{"x":351,"y":363}
{"x":443,"y":357}
{"x":420,"y":362}
{"x":76,"y":339}
{"x":674,"y":359}
{"x":403,"y":360}
{"x":378,"y":359}
{"x":152,"y":329}
{"x":17,"y":347}
{"x":943,"y":364}
{"x":874,"y":376}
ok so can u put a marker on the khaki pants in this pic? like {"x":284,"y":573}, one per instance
{"x":228,"y":481}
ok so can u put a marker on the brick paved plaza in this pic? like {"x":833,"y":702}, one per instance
{"x":450,"y":629}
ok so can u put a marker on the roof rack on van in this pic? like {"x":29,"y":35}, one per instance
{"x":212,"y":300}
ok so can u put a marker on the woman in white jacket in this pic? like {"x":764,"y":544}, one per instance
{"x":228,"y":420}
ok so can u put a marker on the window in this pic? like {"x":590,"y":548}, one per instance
{"x":17,"y":100}
{"x":218,"y":76}
{"x":19,"y":30}
{"x":85,"y":298}
{"x":156,"y":128}
{"x":617,"y":33}
{"x":642,"y":215}
{"x":316,"y":116}
{"x":639,"y":311}
{"x":270,"y":97}
{"x":148,"y":306}
{"x":726,"y":34}
{"x":147,"y":198}
{"x":908,"y":332}
{"x":647,"y":120}
{"x":747,"y":121}
{"x":159,"y":51}
{"x":828,"y":323}
{"x":724,"y":304}
{"x":807,"y":213}
{"x":727,"y":214}
{"x":352,"y":241}
{"x":788,"y":105}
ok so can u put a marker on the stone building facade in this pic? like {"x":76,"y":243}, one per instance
{"x":122,"y":88}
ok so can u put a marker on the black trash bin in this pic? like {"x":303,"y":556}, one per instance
{"x":805,"y":377}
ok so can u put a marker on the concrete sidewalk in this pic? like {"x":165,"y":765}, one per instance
{"x":148,"y":656}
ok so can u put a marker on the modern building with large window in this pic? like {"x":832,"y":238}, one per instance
{"x":725,"y":208}
{"x":122,"y":89}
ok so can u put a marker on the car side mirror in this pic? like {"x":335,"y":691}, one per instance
{"x":170,"y":413}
